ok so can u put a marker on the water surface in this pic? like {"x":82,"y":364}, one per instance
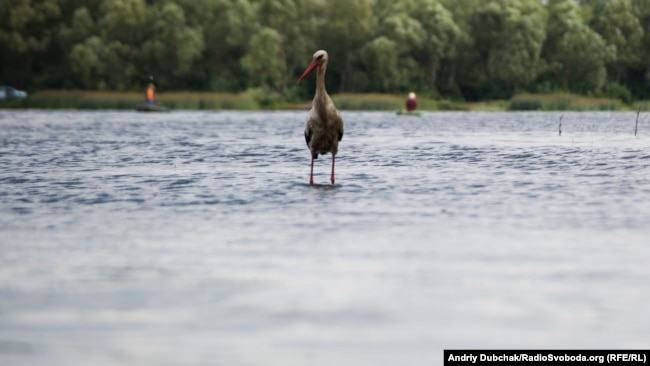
{"x":193,"y":238}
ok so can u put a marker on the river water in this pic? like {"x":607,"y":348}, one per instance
{"x":193,"y":238}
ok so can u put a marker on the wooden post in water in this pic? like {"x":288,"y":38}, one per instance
{"x":636,"y":125}
{"x":559,"y":128}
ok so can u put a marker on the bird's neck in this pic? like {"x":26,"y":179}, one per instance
{"x":320,"y":82}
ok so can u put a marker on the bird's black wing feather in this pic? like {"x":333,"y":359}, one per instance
{"x":340,"y":125}
{"x":307,"y":136}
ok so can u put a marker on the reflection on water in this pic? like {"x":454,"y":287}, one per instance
{"x":185,"y":238}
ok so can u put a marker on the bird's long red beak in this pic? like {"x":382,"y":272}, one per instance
{"x":308,"y":70}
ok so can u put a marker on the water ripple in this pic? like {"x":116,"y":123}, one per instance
{"x":199,"y":231}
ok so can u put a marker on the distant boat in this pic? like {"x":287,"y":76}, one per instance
{"x":146,"y":107}
{"x":404,"y":112}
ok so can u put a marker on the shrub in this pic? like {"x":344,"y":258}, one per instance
{"x":561,"y":102}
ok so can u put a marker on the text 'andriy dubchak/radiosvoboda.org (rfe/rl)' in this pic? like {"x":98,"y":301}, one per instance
{"x":572,"y":356}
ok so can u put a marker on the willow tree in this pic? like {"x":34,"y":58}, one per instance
{"x":227,"y":27}
{"x":88,"y":61}
{"x":643,"y":7}
{"x":408,"y":36}
{"x":124,"y":28}
{"x":171,"y":51}
{"x":516,"y":59}
{"x":344,"y":26}
{"x":442,"y":39}
{"x":380,"y":58}
{"x":291,"y":20}
{"x":27,"y":30}
{"x":264,"y":62}
{"x":621,"y":28}
{"x":577,"y":55}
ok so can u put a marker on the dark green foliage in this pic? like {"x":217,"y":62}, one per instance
{"x":561,"y":102}
{"x":470,"y":50}
{"x":618,"y":91}
{"x":525,"y":105}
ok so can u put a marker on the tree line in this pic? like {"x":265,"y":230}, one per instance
{"x":454,"y":49}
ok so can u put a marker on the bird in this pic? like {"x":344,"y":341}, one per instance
{"x":324,"y":127}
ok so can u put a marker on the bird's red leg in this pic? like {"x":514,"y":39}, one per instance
{"x":333,"y":158}
{"x":311,"y":172}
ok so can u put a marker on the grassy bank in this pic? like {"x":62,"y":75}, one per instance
{"x":563,"y":102}
{"x":254,"y":100}
{"x":390,"y":102}
{"x":73,"y":99}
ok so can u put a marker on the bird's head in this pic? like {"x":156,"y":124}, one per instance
{"x":319,"y":59}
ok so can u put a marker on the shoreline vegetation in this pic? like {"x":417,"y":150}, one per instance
{"x":97,"y":100}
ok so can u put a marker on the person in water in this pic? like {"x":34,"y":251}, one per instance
{"x":411,"y":102}
{"x":150,"y":93}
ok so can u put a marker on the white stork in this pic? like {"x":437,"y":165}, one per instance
{"x":324,"y":127}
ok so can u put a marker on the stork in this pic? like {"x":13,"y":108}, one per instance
{"x":324,"y":127}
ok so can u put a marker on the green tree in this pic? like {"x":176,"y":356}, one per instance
{"x":264,"y":62}
{"x":27,"y":30}
{"x":474,"y":49}
{"x":87,"y":60}
{"x":506,"y":42}
{"x":227,"y":26}
{"x":442,"y":39}
{"x":643,"y":89}
{"x":405,"y":31}
{"x":174,"y":46}
{"x":621,"y":28}
{"x":290,"y":19}
{"x":126,"y":21}
{"x":487,"y":27}
{"x":125,"y":27}
{"x":465,"y":79}
{"x":407,"y":36}
{"x":380,"y":58}
{"x":576,"y":53}
{"x":516,"y":59}
{"x":343,"y":28}
{"x":83,"y":28}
